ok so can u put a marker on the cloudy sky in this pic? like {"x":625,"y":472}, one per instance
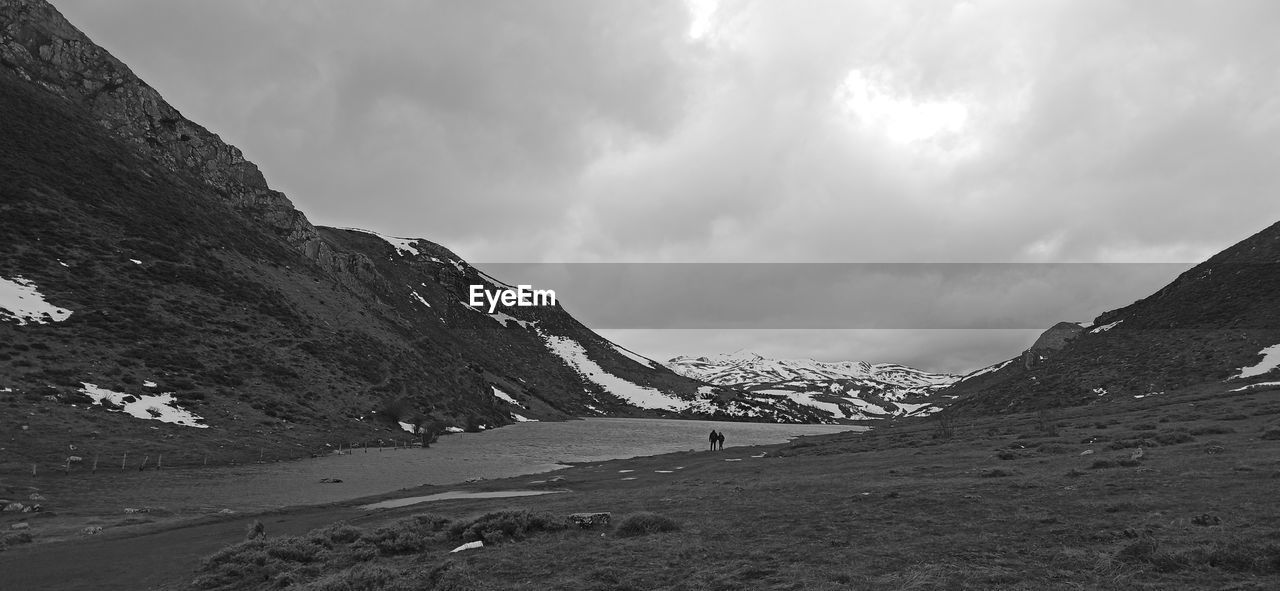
{"x":698,"y":131}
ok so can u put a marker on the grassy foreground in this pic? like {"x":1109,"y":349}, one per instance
{"x":1057,"y":501}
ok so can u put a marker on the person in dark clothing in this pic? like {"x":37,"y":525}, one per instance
{"x":714,"y":438}
{"x":720,"y":440}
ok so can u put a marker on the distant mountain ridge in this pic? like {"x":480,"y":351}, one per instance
{"x":843,"y":390}
{"x":1202,"y":329}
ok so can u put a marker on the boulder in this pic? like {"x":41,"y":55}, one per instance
{"x":589,"y":520}
{"x":14,"y":507}
{"x":92,"y":530}
{"x":23,"y":525}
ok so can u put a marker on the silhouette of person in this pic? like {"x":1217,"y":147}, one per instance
{"x":720,"y":440}
{"x":715,"y":437}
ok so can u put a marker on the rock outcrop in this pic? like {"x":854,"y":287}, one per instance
{"x":40,"y":45}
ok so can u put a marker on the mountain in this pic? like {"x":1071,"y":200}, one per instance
{"x":157,"y":296}
{"x":846,"y":390}
{"x":1214,"y":326}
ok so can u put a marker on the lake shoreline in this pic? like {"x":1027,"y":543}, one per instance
{"x":133,"y":504}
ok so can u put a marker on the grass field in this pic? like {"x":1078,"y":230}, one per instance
{"x":1002,"y":503}
{"x":1005,"y":503}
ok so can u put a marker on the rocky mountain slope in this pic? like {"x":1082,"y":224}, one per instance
{"x":1214,"y":324}
{"x":148,"y":272}
{"x":849,"y":390}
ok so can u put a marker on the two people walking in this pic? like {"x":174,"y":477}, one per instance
{"x":717,"y":440}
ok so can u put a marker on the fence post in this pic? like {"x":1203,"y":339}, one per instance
{"x":95,"y":463}
{"x":160,"y":462}
{"x":124,"y":460}
{"x":33,"y":470}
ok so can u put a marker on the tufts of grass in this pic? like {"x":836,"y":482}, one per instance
{"x":1232,"y":555}
{"x":645,"y":523}
{"x":14,"y":539}
{"x":1173,"y":437}
{"x":506,"y":526}
{"x":362,"y":577}
{"x":401,"y":537}
{"x":1132,"y":443}
{"x":1212,"y":430}
{"x":335,"y":533}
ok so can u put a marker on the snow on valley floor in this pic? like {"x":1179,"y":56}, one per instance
{"x":576,"y":356}
{"x":154,"y":407}
{"x":21,"y":301}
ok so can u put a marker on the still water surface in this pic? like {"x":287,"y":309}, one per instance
{"x":523,"y":448}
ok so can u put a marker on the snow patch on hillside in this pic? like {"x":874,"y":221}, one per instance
{"x":152,"y":407}
{"x":987,"y":370}
{"x":575,"y":356}
{"x":21,"y":301}
{"x":506,"y":397}
{"x":419,"y":298}
{"x":1106,"y":327}
{"x":502,"y":319}
{"x":1270,"y":361}
{"x":403,"y":245}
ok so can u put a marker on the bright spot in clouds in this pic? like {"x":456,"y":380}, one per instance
{"x":701,"y":14}
{"x":873,"y":100}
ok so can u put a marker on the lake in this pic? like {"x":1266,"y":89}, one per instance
{"x":523,"y":448}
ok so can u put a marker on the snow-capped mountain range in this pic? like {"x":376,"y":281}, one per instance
{"x":844,"y":390}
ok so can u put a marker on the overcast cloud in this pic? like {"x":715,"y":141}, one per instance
{"x":748,"y":132}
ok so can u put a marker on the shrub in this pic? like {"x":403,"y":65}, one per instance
{"x":504,"y":526}
{"x":1272,"y":433}
{"x":255,"y":531}
{"x":335,"y":533}
{"x":1102,"y":465}
{"x":995,"y":473}
{"x":362,"y":577}
{"x":398,"y":538}
{"x":293,"y":549}
{"x":645,"y":523}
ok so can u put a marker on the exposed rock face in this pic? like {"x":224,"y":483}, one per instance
{"x":1050,"y":340}
{"x":42,"y":47}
